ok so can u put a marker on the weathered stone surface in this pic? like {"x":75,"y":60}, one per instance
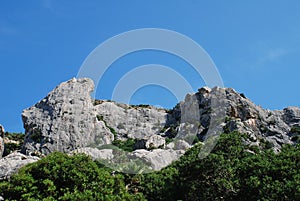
{"x":179,"y":145}
{"x":65,"y":120}
{"x":246,"y":117}
{"x":291,"y":115}
{"x":155,"y":141}
{"x":158,"y":158}
{"x":13,"y":162}
{"x":95,"y":153}
{"x":1,"y":141}
{"x":132,"y":121}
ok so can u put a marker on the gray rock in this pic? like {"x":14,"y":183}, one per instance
{"x":155,"y":141}
{"x":65,"y":120}
{"x":10,"y":164}
{"x":246,"y":117}
{"x":1,"y":140}
{"x":132,"y":121}
{"x":181,"y":145}
{"x":291,"y":115}
{"x":158,"y":158}
{"x":95,"y":153}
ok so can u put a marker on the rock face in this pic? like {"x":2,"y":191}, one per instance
{"x":1,"y":141}
{"x":65,"y":120}
{"x":13,"y":162}
{"x":132,"y":121}
{"x":68,"y":119}
{"x":246,"y":117}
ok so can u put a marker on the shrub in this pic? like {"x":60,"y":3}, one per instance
{"x":63,"y":177}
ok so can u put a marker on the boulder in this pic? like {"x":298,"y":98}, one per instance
{"x":10,"y":164}
{"x":158,"y":158}
{"x":94,"y":153}
{"x":178,"y":145}
{"x":155,"y":141}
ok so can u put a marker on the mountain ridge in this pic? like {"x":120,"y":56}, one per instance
{"x":68,"y":120}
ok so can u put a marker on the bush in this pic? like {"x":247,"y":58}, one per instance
{"x":13,"y":146}
{"x":127,"y":145}
{"x":63,"y":177}
{"x":229,"y":172}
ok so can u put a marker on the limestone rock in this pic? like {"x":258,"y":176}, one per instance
{"x":291,"y":115}
{"x":95,"y":153}
{"x":132,"y":121}
{"x":13,"y":162}
{"x":178,"y":145}
{"x":155,"y":141}
{"x":68,"y":119}
{"x":158,"y":158}
{"x":246,"y":117}
{"x":1,"y":141}
{"x":65,"y":120}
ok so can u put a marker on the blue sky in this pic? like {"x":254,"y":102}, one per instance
{"x":254,"y":44}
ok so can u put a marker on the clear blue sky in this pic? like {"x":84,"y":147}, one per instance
{"x":255,"y":45}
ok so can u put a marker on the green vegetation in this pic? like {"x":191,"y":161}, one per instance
{"x":295,"y":129}
{"x":140,"y":106}
{"x":15,"y":142}
{"x":63,"y":177}
{"x":36,"y":135}
{"x":112,"y":130}
{"x":229,"y":172}
{"x":127,"y":145}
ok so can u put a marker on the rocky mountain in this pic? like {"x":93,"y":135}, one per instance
{"x":64,"y":120}
{"x":69,"y":120}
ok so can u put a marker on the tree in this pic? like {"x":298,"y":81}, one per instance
{"x":63,"y":177}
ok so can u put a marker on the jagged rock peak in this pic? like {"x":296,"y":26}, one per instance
{"x":64,"y":120}
{"x":68,"y":119}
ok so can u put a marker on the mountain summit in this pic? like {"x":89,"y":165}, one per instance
{"x":69,"y":119}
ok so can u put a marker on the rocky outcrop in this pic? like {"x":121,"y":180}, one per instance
{"x":291,"y":116}
{"x":137,"y":122}
{"x":1,"y":141}
{"x":246,"y":117}
{"x":68,"y":119}
{"x":13,"y":162}
{"x":64,"y":120}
